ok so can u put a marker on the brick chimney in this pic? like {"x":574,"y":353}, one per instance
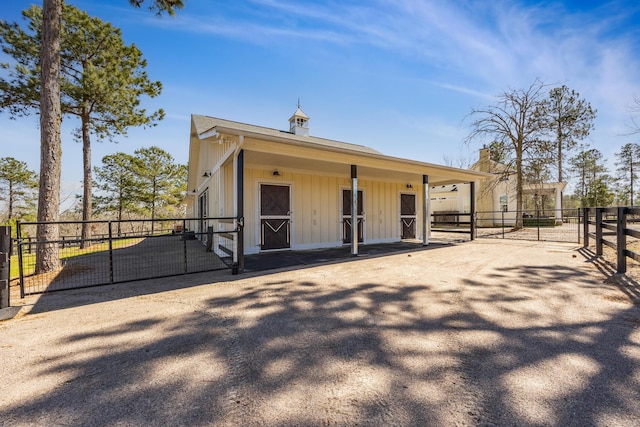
{"x":484,"y":163}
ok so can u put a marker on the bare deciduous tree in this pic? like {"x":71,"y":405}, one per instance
{"x":517,"y":124}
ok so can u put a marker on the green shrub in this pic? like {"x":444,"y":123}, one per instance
{"x":542,"y":222}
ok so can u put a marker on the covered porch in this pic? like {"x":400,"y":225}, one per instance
{"x":292,"y":192}
{"x":552,"y":190}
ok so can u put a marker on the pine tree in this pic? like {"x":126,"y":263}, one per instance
{"x":47,"y":258}
{"x":116,"y":182}
{"x":628,"y":166}
{"x":160,"y":182}
{"x":17,"y":188}
{"x":102,"y":81}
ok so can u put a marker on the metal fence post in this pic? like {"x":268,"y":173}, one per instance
{"x":578,"y":215}
{"x":209,"y":238}
{"x":585,"y":228}
{"x":598,"y":231}
{"x":110,"y":252}
{"x":621,"y":239}
{"x":184,"y":246}
{"x":5,"y":252}
{"x":239,"y":267}
{"x":20,"y":249}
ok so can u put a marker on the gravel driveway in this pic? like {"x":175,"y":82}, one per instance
{"x":480,"y":333}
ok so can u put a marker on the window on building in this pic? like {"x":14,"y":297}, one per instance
{"x":504,"y":203}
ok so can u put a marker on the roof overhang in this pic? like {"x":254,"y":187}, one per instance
{"x":302,"y":153}
{"x":546,"y":187}
{"x":211,"y":133}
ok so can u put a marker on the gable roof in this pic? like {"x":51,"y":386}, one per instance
{"x":494,"y":167}
{"x":299,"y":113}
{"x":204,"y":124}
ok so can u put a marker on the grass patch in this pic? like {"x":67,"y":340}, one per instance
{"x":29,"y":259}
{"x":542,"y":222}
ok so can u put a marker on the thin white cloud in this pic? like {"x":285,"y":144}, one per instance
{"x":465,"y":90}
{"x":497,"y":44}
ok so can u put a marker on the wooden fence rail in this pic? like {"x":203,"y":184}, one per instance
{"x":610,"y":222}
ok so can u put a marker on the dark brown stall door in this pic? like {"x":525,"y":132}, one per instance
{"x":275,"y":217}
{"x":408,"y":215}
{"x":346,"y":216}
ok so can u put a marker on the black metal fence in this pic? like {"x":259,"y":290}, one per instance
{"x":128,"y":250}
{"x":5,"y":267}
{"x":543,"y":225}
{"x":453,"y":222}
{"x":616,"y":228}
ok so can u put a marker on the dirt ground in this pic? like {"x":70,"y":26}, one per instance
{"x":489,"y":332}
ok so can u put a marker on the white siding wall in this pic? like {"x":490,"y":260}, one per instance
{"x":316,"y":202}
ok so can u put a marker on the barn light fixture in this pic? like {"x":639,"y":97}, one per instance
{"x":409,"y":186}
{"x":206,"y":174}
{"x":276,"y":173}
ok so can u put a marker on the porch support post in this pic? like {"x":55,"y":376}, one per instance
{"x":472,"y":204}
{"x":354,"y":210}
{"x":558,"y":206}
{"x":238,"y":256}
{"x":426,"y":220}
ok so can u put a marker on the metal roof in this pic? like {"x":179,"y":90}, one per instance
{"x":204,"y":123}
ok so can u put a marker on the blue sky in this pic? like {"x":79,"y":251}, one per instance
{"x":399,"y":75}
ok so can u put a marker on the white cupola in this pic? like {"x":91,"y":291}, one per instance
{"x":299,"y":122}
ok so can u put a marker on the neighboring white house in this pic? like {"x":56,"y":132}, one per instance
{"x":493,"y":196}
{"x":294,"y":191}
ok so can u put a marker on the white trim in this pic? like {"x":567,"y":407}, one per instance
{"x":209,"y":134}
{"x":323,"y":245}
{"x":235,"y":185}
{"x":329,"y":245}
{"x":385,"y":240}
{"x":225,"y":157}
{"x":221,"y":192}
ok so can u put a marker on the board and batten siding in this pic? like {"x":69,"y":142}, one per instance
{"x":316,"y":208}
{"x":210,"y":154}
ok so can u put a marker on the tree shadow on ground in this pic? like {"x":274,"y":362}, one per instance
{"x":146,"y":257}
{"x":527,"y":352}
{"x":626,"y":284}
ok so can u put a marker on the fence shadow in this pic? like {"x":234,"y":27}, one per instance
{"x":629,"y":286}
{"x":255,"y":265}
